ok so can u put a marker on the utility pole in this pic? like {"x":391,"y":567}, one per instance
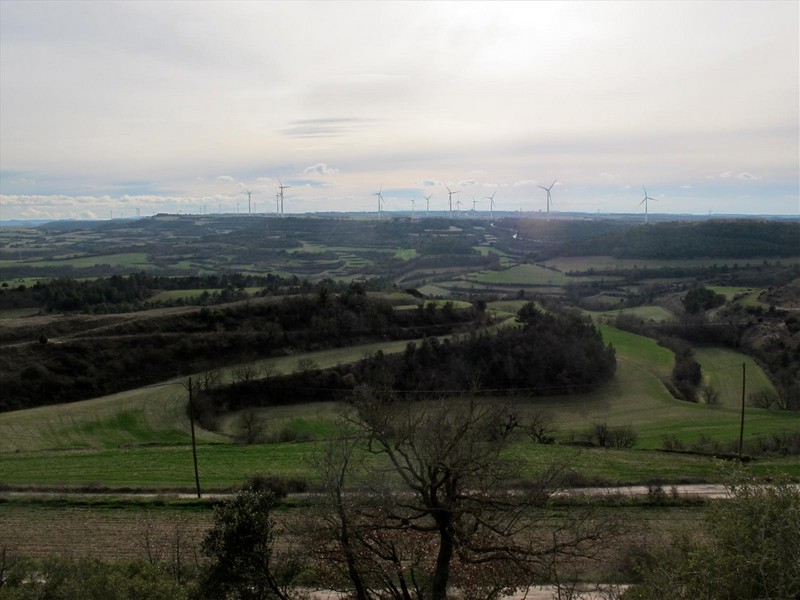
{"x":194,"y":444}
{"x":741,"y":428}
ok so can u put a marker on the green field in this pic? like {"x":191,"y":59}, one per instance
{"x":125,"y":259}
{"x":140,"y":438}
{"x":569,"y":264}
{"x":522,"y":275}
{"x":746,"y":296}
{"x":648,"y":313}
{"x":722,"y":369}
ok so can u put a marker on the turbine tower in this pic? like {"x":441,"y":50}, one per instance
{"x":277,"y":203}
{"x":413,"y":206}
{"x":644,"y":201}
{"x":491,"y":204}
{"x":249,"y":193}
{"x":379,"y":194}
{"x":428,"y":203}
{"x":451,"y":198}
{"x":549,"y":199}
{"x":458,"y":205}
{"x":474,"y":203}
{"x":282,"y":187}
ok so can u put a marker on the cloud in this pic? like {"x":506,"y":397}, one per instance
{"x":320,"y":169}
{"x":431,"y":183}
{"x":725,"y":175}
{"x":526,"y":182}
{"x":609,"y":176}
{"x":324,"y":128}
{"x":686,"y":187}
{"x":225,"y":178}
{"x":747,"y":176}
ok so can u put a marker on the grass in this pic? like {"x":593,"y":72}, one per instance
{"x":651,"y":313}
{"x":405,"y":253}
{"x":522,"y":275}
{"x":746,"y":296}
{"x":140,"y":438}
{"x":158,"y":412}
{"x":722,"y":369}
{"x":18,"y":313}
{"x":125,"y":259}
{"x":569,"y":264}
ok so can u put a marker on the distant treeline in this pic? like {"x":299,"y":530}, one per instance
{"x":738,"y":239}
{"x":129,"y":292}
{"x":139,"y":352}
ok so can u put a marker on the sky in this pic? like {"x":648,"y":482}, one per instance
{"x":117,"y":109}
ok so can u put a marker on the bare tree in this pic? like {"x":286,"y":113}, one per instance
{"x":539,"y":427}
{"x":250,"y":427}
{"x":437,"y":510}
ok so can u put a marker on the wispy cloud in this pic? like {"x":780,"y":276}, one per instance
{"x":324,"y":128}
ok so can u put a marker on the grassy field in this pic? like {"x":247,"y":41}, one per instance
{"x":18,"y":313}
{"x":746,"y":296}
{"x":722,"y":369}
{"x":154,"y":414}
{"x":569,"y":264}
{"x":650,"y":313}
{"x":140,"y":438}
{"x":522,"y":275}
{"x":125,"y":259}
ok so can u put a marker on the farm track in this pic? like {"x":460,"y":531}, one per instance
{"x":695,"y":490}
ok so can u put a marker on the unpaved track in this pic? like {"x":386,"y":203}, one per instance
{"x":697,"y":490}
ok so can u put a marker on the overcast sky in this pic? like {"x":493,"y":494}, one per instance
{"x":176,"y":106}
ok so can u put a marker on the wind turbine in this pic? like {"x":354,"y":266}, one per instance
{"x":451,"y":198}
{"x":277,"y":203}
{"x":491,"y":203}
{"x":458,"y":205}
{"x":413,"y":206}
{"x":549,"y":199}
{"x":249,"y":193}
{"x":474,"y":203}
{"x":282,"y":187}
{"x":380,"y":200}
{"x":644,"y":201}
{"x":428,"y":203}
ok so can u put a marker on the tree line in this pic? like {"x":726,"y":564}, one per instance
{"x":550,"y":353}
{"x":736,"y":238}
{"x":139,"y":352}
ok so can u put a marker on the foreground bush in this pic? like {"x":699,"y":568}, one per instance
{"x":88,"y":579}
{"x":748,"y":549}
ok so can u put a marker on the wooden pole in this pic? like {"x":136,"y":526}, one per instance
{"x":194,"y":444}
{"x":741,"y":428}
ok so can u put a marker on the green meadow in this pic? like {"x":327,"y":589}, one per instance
{"x":124,"y":259}
{"x":569,"y":264}
{"x":524,"y":274}
{"x":140,"y":438}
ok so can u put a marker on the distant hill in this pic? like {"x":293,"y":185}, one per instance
{"x":737,"y":238}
